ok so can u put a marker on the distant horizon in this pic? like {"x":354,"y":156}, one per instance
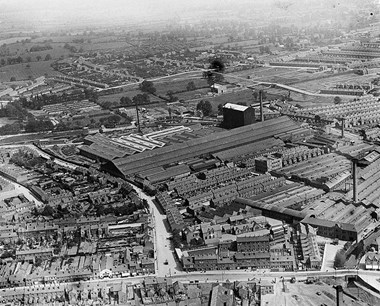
{"x":37,"y":14}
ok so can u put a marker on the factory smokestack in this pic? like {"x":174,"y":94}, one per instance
{"x":354,"y":180}
{"x":339,"y":295}
{"x":138,"y":119}
{"x":261,"y":106}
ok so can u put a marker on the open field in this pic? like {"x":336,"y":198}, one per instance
{"x":275,"y":74}
{"x":195,"y":94}
{"x":22,"y":49}
{"x":4,"y":121}
{"x":239,"y":96}
{"x":352,"y":78}
{"x":117,"y":96}
{"x":13,"y":40}
{"x":177,"y":85}
{"x":21,"y":72}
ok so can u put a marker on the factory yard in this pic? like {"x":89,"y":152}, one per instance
{"x":301,"y":294}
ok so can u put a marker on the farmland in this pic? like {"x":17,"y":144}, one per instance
{"x":22,"y":72}
{"x":316,"y":85}
{"x":178,"y":85}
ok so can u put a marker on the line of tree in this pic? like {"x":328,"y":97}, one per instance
{"x":10,"y":129}
{"x":14,"y":110}
{"x":38,"y":126}
{"x":38,"y":101}
{"x":37,"y":48}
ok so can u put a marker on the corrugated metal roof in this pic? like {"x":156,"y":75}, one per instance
{"x":207,"y":144}
{"x":237,"y":107}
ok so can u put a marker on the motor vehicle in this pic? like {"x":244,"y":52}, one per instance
{"x":166,"y":262}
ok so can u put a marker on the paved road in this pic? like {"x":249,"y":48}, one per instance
{"x":164,"y":249}
{"x":220,"y":276}
{"x":155,"y":79}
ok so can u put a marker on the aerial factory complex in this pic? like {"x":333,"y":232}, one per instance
{"x":219,"y":157}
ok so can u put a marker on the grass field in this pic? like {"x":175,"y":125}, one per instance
{"x":177,"y":85}
{"x":21,"y":72}
{"x":244,"y":96}
{"x":316,"y":85}
{"x":117,"y":96}
{"x":274,"y":74}
{"x":4,"y":121}
{"x":195,"y":94}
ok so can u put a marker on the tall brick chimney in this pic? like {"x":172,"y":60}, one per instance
{"x":339,"y":295}
{"x":261,"y":106}
{"x":354,"y":180}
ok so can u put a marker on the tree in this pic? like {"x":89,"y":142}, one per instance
{"x":337,"y":100}
{"x":147,"y":86}
{"x":38,"y":262}
{"x":48,"y":57}
{"x":141,"y":99}
{"x":113,"y":119}
{"x":217,"y":65}
{"x":125,"y":101}
{"x":171,"y":96}
{"x":48,"y":211}
{"x":205,"y":107}
{"x":215,"y":74}
{"x":38,"y":57}
{"x":191,"y":86}
{"x":340,"y":259}
{"x":13,"y":79}
{"x":255,"y":95}
{"x":220,"y":109}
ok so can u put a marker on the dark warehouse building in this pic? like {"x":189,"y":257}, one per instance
{"x":235,"y":115}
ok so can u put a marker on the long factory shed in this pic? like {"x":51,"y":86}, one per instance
{"x":208,"y":144}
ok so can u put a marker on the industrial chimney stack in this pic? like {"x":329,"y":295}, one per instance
{"x":261,"y":105}
{"x":138,"y":119}
{"x":355,"y":180}
{"x":339,"y":295}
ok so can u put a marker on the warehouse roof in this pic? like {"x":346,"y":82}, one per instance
{"x":328,"y":223}
{"x":269,"y":207}
{"x":236,"y":107}
{"x":207,"y":144}
{"x":168,"y":173}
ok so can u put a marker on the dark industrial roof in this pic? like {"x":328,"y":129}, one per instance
{"x":207,"y":144}
{"x":268,"y":207}
{"x":168,"y":173}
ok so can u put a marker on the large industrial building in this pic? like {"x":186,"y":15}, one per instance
{"x":216,"y":142}
{"x":235,"y":115}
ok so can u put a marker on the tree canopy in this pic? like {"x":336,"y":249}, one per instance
{"x":147,"y":86}
{"x":340,"y":259}
{"x":337,"y":100}
{"x":205,"y":107}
